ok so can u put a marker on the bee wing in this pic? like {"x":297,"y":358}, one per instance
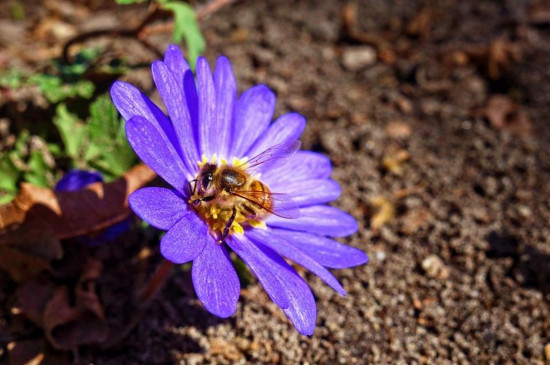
{"x":273,"y":155}
{"x":283,"y":205}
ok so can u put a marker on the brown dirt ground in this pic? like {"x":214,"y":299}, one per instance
{"x":461,"y":273}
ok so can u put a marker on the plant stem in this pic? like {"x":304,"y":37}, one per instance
{"x":157,"y":281}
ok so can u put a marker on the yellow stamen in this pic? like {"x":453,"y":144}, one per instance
{"x":237,"y":228}
{"x":257,"y":224}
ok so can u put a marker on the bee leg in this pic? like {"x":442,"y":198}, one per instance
{"x":228,"y":226}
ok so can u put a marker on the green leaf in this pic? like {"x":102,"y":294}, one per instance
{"x":9,"y":175}
{"x":55,"y":90}
{"x":71,"y":130}
{"x":108,"y":150}
{"x":83,"y":60}
{"x":186,"y":27}
{"x":11,"y":79}
{"x":38,"y":170}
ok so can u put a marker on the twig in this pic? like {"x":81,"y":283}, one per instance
{"x":142,"y":30}
{"x":117,"y":32}
{"x":156,"y":282}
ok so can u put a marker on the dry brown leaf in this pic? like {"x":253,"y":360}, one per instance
{"x":69,"y":319}
{"x":32,"y":224}
{"x":503,"y":113}
{"x":21,"y":265}
{"x":539,"y":13}
{"x":68,"y":326}
{"x":501,"y":54}
{"x":35,"y":352}
{"x":384,"y":212}
{"x":393,"y":161}
{"x":37,"y":213}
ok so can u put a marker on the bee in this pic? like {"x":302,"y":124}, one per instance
{"x":235,"y":194}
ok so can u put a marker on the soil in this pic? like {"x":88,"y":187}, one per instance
{"x":454,"y":208}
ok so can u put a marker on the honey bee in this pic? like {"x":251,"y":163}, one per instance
{"x":229,"y":194}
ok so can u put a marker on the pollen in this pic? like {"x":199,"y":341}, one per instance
{"x":225,"y":213}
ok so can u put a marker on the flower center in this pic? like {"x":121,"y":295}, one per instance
{"x":228,"y":198}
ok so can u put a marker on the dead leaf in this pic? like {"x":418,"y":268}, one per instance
{"x":32,"y":224}
{"x":384,"y":212}
{"x":35,"y":352}
{"x":21,"y":265}
{"x":39,"y":213}
{"x":69,"y":316}
{"x":503,"y":113}
{"x":501,"y":54}
{"x":68,"y":326}
{"x":393,"y":161}
{"x":539,"y":13}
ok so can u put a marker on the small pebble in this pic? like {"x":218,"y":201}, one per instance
{"x":357,"y":58}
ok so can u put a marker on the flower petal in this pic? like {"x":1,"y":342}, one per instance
{"x":302,"y":310}
{"x":192,"y":99}
{"x":160,"y":207}
{"x":281,"y":281}
{"x":286,"y":128}
{"x":327,"y":252}
{"x":318,"y":219}
{"x":155,"y":150}
{"x":185,"y":240}
{"x":174,"y":60}
{"x":130,"y":102}
{"x":208,"y":126}
{"x":253,"y":113}
{"x":310,"y":192}
{"x":285,"y":249}
{"x":226,"y":94}
{"x":215,"y":280}
{"x":172,"y":94}
{"x":304,"y":165}
{"x":261,"y":266}
{"x":77,"y":179}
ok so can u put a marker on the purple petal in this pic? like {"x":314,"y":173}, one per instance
{"x":185,"y":240}
{"x":253,"y":113}
{"x":159,"y":207}
{"x":130,"y":102}
{"x":318,"y":219}
{"x":286,"y":128}
{"x":77,"y":179}
{"x":155,"y":150}
{"x":285,"y":249}
{"x":302,"y":310}
{"x":192,"y":99}
{"x":172,"y":95}
{"x":261,"y":266}
{"x":226,"y":94}
{"x":310,"y":192}
{"x":174,"y":60}
{"x":208,"y":126}
{"x":304,"y":165}
{"x":215,"y":280}
{"x":327,"y":252}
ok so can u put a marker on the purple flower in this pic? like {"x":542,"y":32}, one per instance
{"x":75,"y":180}
{"x":229,"y":193}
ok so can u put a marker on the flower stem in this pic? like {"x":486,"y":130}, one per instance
{"x":155,"y":284}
